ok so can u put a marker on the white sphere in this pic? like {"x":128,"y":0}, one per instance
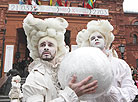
{"x":84,"y":62}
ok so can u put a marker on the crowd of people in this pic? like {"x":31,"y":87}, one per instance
{"x":19,"y":68}
{"x":22,"y":66}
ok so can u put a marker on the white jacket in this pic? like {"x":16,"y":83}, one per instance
{"x":42,"y":85}
{"x":123,"y":88}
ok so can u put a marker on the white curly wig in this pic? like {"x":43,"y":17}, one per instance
{"x":15,"y":78}
{"x":36,"y":28}
{"x":102,"y":26}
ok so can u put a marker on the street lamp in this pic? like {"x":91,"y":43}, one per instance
{"x":122,"y":50}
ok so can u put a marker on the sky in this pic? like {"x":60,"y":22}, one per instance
{"x":130,"y":6}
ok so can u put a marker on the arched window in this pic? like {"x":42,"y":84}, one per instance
{"x":134,"y":39}
{"x":136,"y":23}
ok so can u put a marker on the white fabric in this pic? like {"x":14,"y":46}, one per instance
{"x":112,"y":52}
{"x":84,"y":62}
{"x":34,"y":3}
{"x":123,"y":88}
{"x":15,"y":100}
{"x":42,"y":85}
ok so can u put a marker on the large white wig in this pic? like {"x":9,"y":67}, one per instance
{"x":16,"y":78}
{"x":36,"y":28}
{"x":102,"y":26}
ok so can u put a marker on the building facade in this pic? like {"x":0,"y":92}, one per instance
{"x":125,"y":27}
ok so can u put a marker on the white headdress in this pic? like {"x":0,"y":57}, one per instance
{"x":36,"y":28}
{"x":102,"y":26}
{"x":16,"y":78}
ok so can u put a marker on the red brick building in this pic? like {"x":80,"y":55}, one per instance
{"x":125,"y":27}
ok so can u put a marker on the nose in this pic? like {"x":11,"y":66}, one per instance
{"x":46,"y":48}
{"x":96,"y":39}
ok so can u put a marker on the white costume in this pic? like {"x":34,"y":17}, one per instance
{"x":123,"y":88}
{"x":41,"y":84}
{"x":15,"y":93}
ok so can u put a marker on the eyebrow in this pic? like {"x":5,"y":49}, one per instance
{"x":42,"y":43}
{"x":50,"y":42}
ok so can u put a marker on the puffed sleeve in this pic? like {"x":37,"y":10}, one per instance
{"x":33,"y":92}
{"x":66,"y":95}
{"x":123,"y":88}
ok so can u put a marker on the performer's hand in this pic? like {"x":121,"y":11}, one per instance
{"x":83,"y":87}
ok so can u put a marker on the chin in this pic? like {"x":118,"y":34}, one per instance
{"x":47,"y":59}
{"x":50,"y":58}
{"x":97,"y":46}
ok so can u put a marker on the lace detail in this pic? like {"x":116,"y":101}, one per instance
{"x":52,"y":70}
{"x":53,"y":74}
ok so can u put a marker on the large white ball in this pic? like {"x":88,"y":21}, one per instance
{"x":83,"y":62}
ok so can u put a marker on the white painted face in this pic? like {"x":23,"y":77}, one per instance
{"x":47,"y":48}
{"x":97,"y":40}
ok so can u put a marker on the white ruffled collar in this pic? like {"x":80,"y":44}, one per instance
{"x":51,"y":65}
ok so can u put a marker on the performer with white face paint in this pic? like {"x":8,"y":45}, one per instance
{"x":45,"y":39}
{"x":97,"y":40}
{"x":47,"y":48}
{"x":99,"y":34}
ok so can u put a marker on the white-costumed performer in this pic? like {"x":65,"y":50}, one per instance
{"x":45,"y":39}
{"x":99,"y":34}
{"x":15,"y":93}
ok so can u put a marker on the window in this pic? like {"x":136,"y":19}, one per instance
{"x":136,"y":23}
{"x":134,"y":39}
